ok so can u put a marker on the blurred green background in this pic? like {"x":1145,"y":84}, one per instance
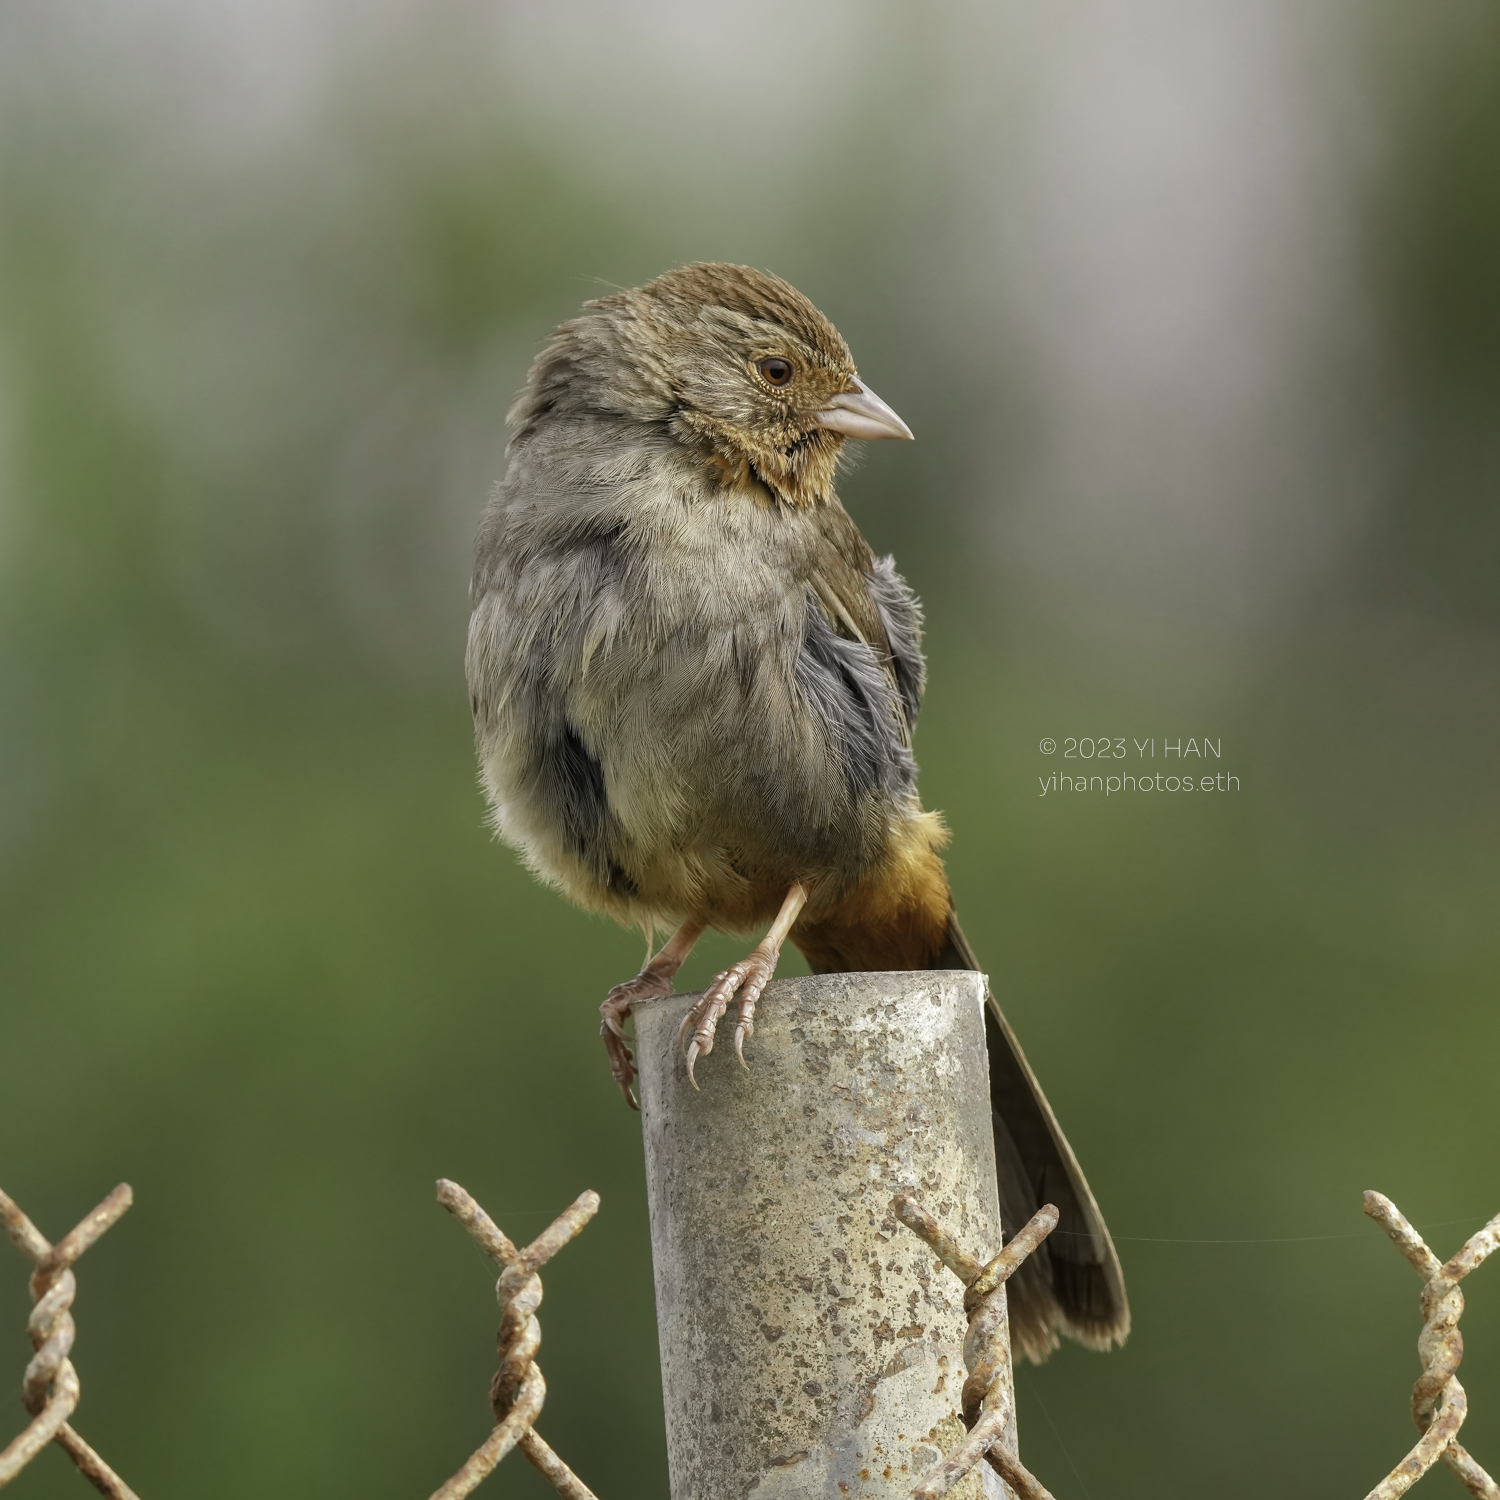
{"x":1195,"y":309}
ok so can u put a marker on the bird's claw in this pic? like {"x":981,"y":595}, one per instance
{"x":617,"y":1006}
{"x":621,"y":1062}
{"x":696,"y":1034}
{"x":610,"y":1014}
{"x":746,"y":980}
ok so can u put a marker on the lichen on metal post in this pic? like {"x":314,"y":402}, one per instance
{"x":810,"y":1346}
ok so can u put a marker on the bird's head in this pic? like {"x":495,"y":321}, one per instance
{"x":739,"y":366}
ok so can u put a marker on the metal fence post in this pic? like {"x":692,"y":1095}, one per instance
{"x":811,"y":1346}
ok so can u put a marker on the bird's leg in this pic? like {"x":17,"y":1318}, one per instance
{"x":652,"y":982}
{"x":747,"y":978}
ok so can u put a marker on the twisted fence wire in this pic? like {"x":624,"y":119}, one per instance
{"x":518,"y":1390}
{"x":50,"y":1388}
{"x":988,"y":1400}
{"x":1438,"y":1403}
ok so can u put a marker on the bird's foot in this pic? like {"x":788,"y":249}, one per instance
{"x":649,"y":984}
{"x":654,"y":981}
{"x":746,"y":979}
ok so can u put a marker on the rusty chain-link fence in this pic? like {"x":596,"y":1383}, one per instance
{"x":50,"y":1387}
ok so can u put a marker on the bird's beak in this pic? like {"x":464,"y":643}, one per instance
{"x":861,"y":413}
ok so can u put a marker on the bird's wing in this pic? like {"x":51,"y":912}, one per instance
{"x":865,"y":600}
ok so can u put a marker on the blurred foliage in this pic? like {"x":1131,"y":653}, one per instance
{"x":1435,"y":261}
{"x":259,"y":957}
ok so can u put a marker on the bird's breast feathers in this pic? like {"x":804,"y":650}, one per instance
{"x":680,"y":689}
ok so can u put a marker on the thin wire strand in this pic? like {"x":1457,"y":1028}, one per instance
{"x":1032,"y":1390}
{"x":1289,"y":1239}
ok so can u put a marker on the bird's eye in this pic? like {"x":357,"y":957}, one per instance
{"x":776,"y":370}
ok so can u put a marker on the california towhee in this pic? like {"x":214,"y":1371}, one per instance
{"x":694,"y":687}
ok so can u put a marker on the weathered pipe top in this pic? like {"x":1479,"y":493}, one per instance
{"x":810,"y":1344}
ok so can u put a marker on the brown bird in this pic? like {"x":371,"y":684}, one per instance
{"x":694,"y":688}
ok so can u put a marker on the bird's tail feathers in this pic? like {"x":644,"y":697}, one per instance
{"x":1072,"y":1284}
